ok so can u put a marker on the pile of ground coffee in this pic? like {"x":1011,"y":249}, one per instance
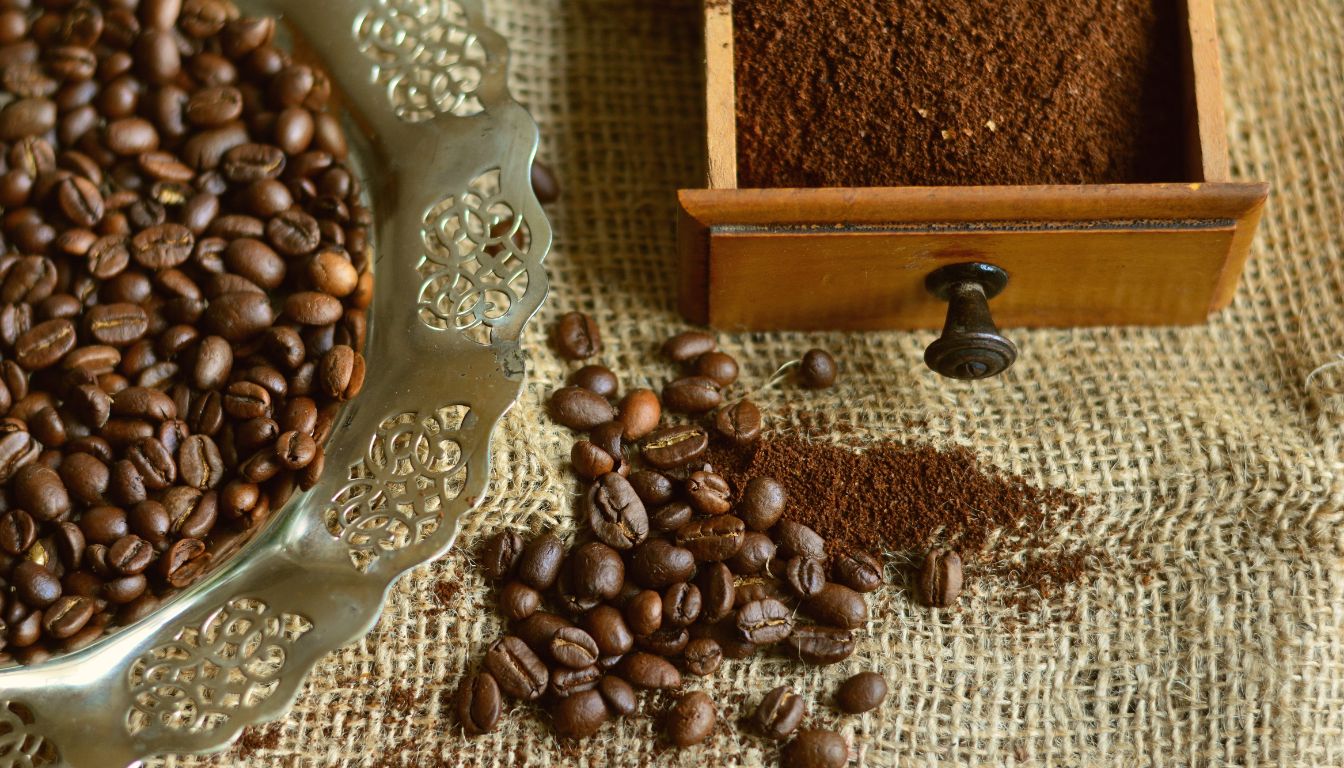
{"x":907,"y":93}
{"x":909,"y":498}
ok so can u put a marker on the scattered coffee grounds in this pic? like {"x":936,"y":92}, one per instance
{"x":910,"y":498}
{"x":911,"y":93}
{"x":183,"y":291}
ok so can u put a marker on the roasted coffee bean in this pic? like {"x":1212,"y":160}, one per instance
{"x":238,"y":316}
{"x":806,"y":576}
{"x":709,"y":493}
{"x":184,"y":562}
{"x":608,"y":628}
{"x":574,"y":648}
{"x":670,"y":517}
{"x":576,"y":336}
{"x":35,"y":584}
{"x":517,"y":601}
{"x":567,"y":682}
{"x":837,"y":605}
{"x":580,"y":715}
{"x":500,"y":554}
{"x":143,"y":403}
{"x":618,"y":695}
{"x":538,"y":629}
{"x":116,"y":325}
{"x":940,"y":578}
{"x":162,"y":246}
{"x":539,"y":564}
{"x":130,"y":555}
{"x":295,"y":450}
{"x":17,"y":532}
{"x":516,"y":668}
{"x":815,"y":749}
{"x":780,"y":713}
{"x":597,"y":571}
{"x":749,"y":589}
{"x":645,"y":670}
{"x":765,"y":622}
{"x":293,"y":233}
{"x":597,"y":379}
{"x":668,"y":642}
{"x":580,"y":409}
{"x":681,"y":605}
{"x":756,"y":552}
{"x":713,"y":539}
{"x":734,"y":646}
{"x":341,"y":372}
{"x":43,"y":345}
{"x":818,"y":370}
{"x":694,"y":394}
{"x":703,"y":656}
{"x":478,"y":703}
{"x":814,"y":644}
{"x":718,"y":593}
{"x":67,"y":616}
{"x":861,"y":693}
{"x":658,"y":564}
{"x":689,"y":345}
{"x":653,"y":488}
{"x":589,"y":461}
{"x":718,"y":366}
{"x":674,"y":447}
{"x":795,"y":539}
{"x":80,"y":201}
{"x":691,"y":719}
{"x":39,"y":490}
{"x":640,"y":412}
{"x":615,"y":513}
{"x":859,"y":571}
{"x":644,"y":613}
{"x":544,"y":183}
{"x":739,"y":423}
{"x":609,"y":437}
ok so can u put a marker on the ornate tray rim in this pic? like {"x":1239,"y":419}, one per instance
{"x":447,"y":159}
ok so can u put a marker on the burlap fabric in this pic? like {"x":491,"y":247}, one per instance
{"x":1216,"y":635}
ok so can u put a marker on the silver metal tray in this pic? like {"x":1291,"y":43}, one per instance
{"x":459,"y":239}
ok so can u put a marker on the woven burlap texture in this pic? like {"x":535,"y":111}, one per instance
{"x":1214,"y":637}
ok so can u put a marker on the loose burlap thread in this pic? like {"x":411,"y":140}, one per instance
{"x":1214,"y":636}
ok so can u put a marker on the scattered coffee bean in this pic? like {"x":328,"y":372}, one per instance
{"x":674,"y":447}
{"x":615,"y":513}
{"x":796,"y":539}
{"x":757,"y":551}
{"x":576,"y":336}
{"x":596,"y":571}
{"x":597,"y":379}
{"x":609,"y":631}
{"x":618,"y":695}
{"x":500,"y":554}
{"x":861,"y":693}
{"x":694,"y":394}
{"x":713,"y":539}
{"x":806,"y":576}
{"x":645,"y":670}
{"x":765,"y":622}
{"x":670,"y":517}
{"x":718,"y":366}
{"x":821,"y":645}
{"x":818,"y":370}
{"x":589,"y":461}
{"x":544,"y":183}
{"x":708,"y":493}
{"x":644,"y":613}
{"x":687,"y":346}
{"x":539,"y":563}
{"x":691,"y":719}
{"x":580,"y":409}
{"x":516,"y":668}
{"x":517,"y":601}
{"x":780,"y":713}
{"x":574,"y":648}
{"x":703,"y":656}
{"x":838,"y":606}
{"x":640,"y":411}
{"x":815,"y":749}
{"x":859,"y":571}
{"x":478,"y":704}
{"x":940,"y":578}
{"x":763,"y":502}
{"x":653,"y":488}
{"x":739,"y":423}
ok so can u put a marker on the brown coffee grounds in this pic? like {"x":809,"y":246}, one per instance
{"x":256,"y":738}
{"x":914,"y":93}
{"x":905,"y":499}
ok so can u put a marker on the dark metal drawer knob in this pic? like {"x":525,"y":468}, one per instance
{"x":971,"y":346}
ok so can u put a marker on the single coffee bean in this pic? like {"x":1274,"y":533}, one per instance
{"x":580,"y":715}
{"x":640,"y":412}
{"x":295,"y":450}
{"x":757,"y":550}
{"x":500,"y":554}
{"x":544,"y":183}
{"x":644,"y":613}
{"x":539,"y":564}
{"x":681,"y":605}
{"x":574,"y":648}
{"x":143,"y":403}
{"x":589,"y":461}
{"x":694,"y":394}
{"x":658,"y":564}
{"x":709,"y":493}
{"x":691,"y":719}
{"x":818,"y":370}
{"x":43,"y":345}
{"x":618,"y":695}
{"x":815,"y":749}
{"x":67,"y":616}
{"x":80,"y":201}
{"x":806,"y":576}
{"x":762,"y":504}
{"x":861,"y":693}
{"x":668,"y":642}
{"x":130,"y":555}
{"x":780,"y":713}
{"x":795,"y":539}
{"x":610,"y":438}
{"x":39,"y":490}
{"x":516,"y":668}
{"x":687,"y":346}
{"x":608,"y":628}
{"x":718,"y":593}
{"x":615,"y":513}
{"x":162,"y":246}
{"x":517,"y":601}
{"x":739,"y":423}
{"x":838,"y":606}
{"x":184,"y":562}
{"x":116,"y":325}
{"x":238,"y":316}
{"x":293,"y":232}
{"x":597,"y":571}
{"x":713,"y":539}
{"x":580,"y":409}
{"x":703,"y":656}
{"x":670,"y":517}
{"x":765,"y":622}
{"x":645,"y":670}
{"x":653,"y":488}
{"x":538,"y":629}
{"x":34,"y":584}
{"x":576,"y":336}
{"x":567,"y":682}
{"x":940,"y":578}
{"x":17,"y":532}
{"x":859,"y":571}
{"x":597,"y":379}
{"x":720,"y":367}
{"x":478,"y":703}
{"x":675,"y":447}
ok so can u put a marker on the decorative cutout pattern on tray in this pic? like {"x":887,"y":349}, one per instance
{"x":20,"y":746}
{"x":426,"y":54}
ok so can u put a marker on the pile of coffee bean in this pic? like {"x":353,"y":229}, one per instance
{"x":183,"y":295}
{"x":671,"y":574}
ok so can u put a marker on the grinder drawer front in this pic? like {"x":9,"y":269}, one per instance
{"x":871,"y":277}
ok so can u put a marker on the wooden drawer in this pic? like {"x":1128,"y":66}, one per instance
{"x":857,"y":258}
